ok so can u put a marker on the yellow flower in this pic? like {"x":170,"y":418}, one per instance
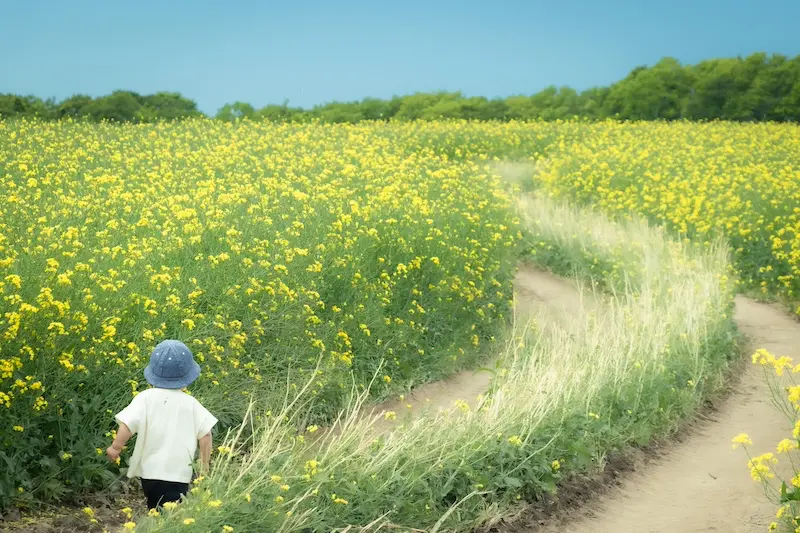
{"x":168,"y":506}
{"x":227,"y":529}
{"x":390,"y":415}
{"x":19,"y":428}
{"x":153,"y":513}
{"x":88,"y":511}
{"x":556,"y":464}
{"x":214,"y":503}
{"x":275,"y":478}
{"x":188,"y":521}
{"x":284,"y":488}
{"x":760,"y":466}
{"x":743,"y":439}
{"x":786,"y":445}
{"x":515,"y":441}
{"x":130,"y":526}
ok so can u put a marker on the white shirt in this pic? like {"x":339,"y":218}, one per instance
{"x":168,"y":423}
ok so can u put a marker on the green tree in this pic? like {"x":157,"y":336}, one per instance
{"x":74,"y":106}
{"x":236,"y":111}
{"x":119,"y":106}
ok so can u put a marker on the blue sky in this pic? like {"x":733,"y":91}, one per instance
{"x":312,"y":52}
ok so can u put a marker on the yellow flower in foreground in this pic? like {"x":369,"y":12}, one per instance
{"x":794,"y":394}
{"x":743,"y":439}
{"x":130,"y":526}
{"x":215,"y":503}
{"x":169,"y":506}
{"x":760,"y":468}
{"x":515,"y":441}
{"x":556,"y":464}
{"x":390,"y":415}
{"x":153,"y":513}
{"x":786,"y":445}
{"x":88,"y":511}
{"x":188,"y":521}
{"x":19,"y":428}
{"x":127,"y":511}
{"x":227,"y":529}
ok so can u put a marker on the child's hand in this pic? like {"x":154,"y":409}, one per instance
{"x":113,"y":454}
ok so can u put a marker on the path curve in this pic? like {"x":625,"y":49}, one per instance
{"x":539,"y":296}
{"x":700,"y":484}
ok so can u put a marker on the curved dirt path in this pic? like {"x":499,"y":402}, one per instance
{"x":697,"y":483}
{"x":539,"y":296}
{"x":700,"y":484}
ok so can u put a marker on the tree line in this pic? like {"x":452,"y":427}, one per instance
{"x":759,"y":87}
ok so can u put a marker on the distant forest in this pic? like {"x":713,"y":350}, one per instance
{"x":760,"y":87}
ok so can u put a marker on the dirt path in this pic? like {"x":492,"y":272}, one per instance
{"x":540,"y":296}
{"x":700,"y":484}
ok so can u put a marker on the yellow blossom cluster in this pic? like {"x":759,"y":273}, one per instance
{"x":764,"y":468}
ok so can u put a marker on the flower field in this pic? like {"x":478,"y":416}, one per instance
{"x":370,"y":258}
{"x":701,"y":180}
{"x":268,"y":250}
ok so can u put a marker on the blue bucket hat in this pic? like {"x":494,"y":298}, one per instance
{"x":172,"y":366}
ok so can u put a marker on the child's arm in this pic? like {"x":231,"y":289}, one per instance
{"x":123,"y":436}
{"x":205,"y":450}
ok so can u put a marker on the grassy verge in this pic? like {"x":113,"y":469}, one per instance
{"x":624,"y":376}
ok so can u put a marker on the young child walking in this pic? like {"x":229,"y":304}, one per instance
{"x":169,"y":425}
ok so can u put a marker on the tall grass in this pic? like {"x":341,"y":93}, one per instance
{"x":567,"y":399}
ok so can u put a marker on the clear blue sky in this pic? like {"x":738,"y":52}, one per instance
{"x":312,"y":52}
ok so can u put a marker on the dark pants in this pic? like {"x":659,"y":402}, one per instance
{"x":160,"y":492}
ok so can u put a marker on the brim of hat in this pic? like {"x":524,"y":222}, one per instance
{"x":175,"y":383}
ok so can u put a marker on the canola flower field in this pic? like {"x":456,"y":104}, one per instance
{"x":272,"y":251}
{"x":700,"y":180}
{"x":280,"y":251}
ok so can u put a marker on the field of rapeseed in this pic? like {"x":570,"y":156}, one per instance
{"x":701,"y":180}
{"x":273,"y":251}
{"x":281,"y":251}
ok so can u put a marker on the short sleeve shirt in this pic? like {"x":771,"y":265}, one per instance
{"x":168,"y":423}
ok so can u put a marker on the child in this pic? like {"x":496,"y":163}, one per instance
{"x":169,"y":424}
